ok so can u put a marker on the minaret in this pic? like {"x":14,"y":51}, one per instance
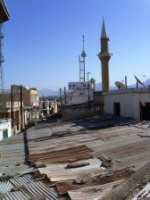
{"x":104,"y":57}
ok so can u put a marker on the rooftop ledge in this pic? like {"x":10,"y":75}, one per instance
{"x":4,"y":14}
{"x":129,"y":90}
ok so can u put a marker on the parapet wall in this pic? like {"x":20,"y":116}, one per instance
{"x":81,"y":111}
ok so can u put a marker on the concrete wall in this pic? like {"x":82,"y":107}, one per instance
{"x":98,"y":97}
{"x":76,"y":113}
{"x":81,"y":111}
{"x":79,"y":96}
{"x":129,"y":101}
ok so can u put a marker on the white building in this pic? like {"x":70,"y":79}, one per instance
{"x":134,"y":103}
{"x":79,"y":96}
{"x":5,"y":128}
{"x":80,"y":92}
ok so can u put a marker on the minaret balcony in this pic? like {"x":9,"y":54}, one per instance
{"x":104,"y":54}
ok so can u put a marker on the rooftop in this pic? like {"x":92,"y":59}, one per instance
{"x":129,"y":90}
{"x":98,"y":158}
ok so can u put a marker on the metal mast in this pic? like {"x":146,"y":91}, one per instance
{"x":82,"y":65}
{"x":1,"y":67}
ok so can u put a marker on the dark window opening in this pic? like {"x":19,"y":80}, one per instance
{"x":5,"y":133}
{"x":144,"y":110}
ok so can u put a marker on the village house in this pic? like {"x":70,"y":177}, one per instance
{"x":21,"y":106}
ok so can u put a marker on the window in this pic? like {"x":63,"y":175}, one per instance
{"x":5,"y":133}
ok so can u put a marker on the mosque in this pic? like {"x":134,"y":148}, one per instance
{"x":127,"y":102}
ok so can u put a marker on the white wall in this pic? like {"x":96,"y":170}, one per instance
{"x":129,"y":101}
{"x":79,"y":96}
{"x":3,"y":126}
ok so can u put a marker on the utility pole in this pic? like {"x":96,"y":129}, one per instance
{"x":1,"y":68}
{"x":88,"y":73}
{"x":65,"y":95}
{"x":12,"y":103}
{"x":60,"y":96}
{"x":21,"y":107}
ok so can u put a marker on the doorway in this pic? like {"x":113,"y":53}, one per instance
{"x":117,"y":109}
{"x":144,"y":111}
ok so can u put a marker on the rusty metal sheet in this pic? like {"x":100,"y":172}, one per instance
{"x":61,"y":156}
{"x":65,"y":186}
{"x":59,"y":172}
{"x":125,"y":145}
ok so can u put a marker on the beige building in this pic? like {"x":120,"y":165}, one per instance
{"x":21,"y":105}
{"x":48,"y":107}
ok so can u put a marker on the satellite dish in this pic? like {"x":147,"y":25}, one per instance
{"x":119,"y":85}
{"x":138,"y":80}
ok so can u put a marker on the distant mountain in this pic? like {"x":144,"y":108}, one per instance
{"x":48,"y":92}
{"x":98,"y":86}
{"x":147,"y":82}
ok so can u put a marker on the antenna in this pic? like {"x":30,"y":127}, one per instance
{"x":82,"y":64}
{"x":88,"y":73}
{"x":138,"y":81}
{"x":119,"y":85}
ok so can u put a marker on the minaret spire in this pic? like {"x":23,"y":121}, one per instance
{"x":103,"y":35}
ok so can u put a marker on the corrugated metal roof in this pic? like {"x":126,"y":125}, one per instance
{"x":31,"y":189}
{"x":16,"y":196}
{"x":144,"y":193}
{"x":39,"y":189}
{"x":23,"y":180}
{"x":13,"y":169}
{"x":92,"y":193}
{"x":5,"y":186}
{"x":101,"y":179}
{"x":62,"y":156}
{"x":126,"y":146}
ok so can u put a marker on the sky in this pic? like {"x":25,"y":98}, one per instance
{"x":43,"y":40}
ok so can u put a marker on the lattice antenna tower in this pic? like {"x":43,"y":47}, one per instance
{"x":1,"y":67}
{"x":82,"y":64}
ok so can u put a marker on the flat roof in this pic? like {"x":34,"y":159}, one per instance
{"x":125,"y":91}
{"x":4,"y":14}
{"x":89,"y":158}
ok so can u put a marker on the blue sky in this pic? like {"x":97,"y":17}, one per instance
{"x":43,"y":40}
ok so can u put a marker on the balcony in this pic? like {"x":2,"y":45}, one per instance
{"x":16,"y":104}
